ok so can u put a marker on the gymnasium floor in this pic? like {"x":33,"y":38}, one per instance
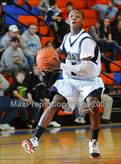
{"x":67,"y":145}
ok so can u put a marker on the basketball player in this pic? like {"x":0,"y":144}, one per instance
{"x":79,"y":79}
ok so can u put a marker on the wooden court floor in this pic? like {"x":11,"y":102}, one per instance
{"x":62,"y":146}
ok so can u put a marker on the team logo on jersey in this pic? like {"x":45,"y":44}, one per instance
{"x":73,"y":58}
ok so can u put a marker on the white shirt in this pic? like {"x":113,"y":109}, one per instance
{"x":78,"y":47}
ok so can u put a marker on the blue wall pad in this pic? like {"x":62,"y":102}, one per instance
{"x":117,"y":77}
{"x":9,"y":20}
{"x":11,"y":9}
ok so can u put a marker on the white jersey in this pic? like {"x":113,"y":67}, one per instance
{"x":77,"y":48}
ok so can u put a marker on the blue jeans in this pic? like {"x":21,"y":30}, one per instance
{"x":13,"y":106}
{"x":5,"y":106}
{"x":30,"y":60}
{"x":105,"y":10}
{"x":23,"y":108}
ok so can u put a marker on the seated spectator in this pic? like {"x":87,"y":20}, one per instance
{"x":5,"y":39}
{"x":39,"y":86}
{"x":106,"y":35}
{"x":65,"y":13}
{"x":116,"y":33}
{"x":103,"y":36}
{"x":117,"y":18}
{"x":53,"y":14}
{"x":107,"y":103}
{"x":117,"y":3}
{"x":106,"y":8}
{"x":13,"y":58}
{"x":107,"y":109}
{"x":43,"y":6}
{"x":22,"y":98}
{"x":3,"y":84}
{"x":5,"y":106}
{"x":49,"y":44}
{"x":32,"y":44}
{"x":54,"y":19}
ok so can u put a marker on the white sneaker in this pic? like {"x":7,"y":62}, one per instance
{"x":6,"y":127}
{"x":54,"y":124}
{"x":30,"y":145}
{"x":94,"y":150}
{"x":7,"y":133}
{"x":54,"y":130}
{"x":80,"y":120}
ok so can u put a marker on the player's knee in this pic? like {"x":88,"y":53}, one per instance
{"x":57,"y":103}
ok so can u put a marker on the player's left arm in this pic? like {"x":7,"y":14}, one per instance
{"x":87,"y":67}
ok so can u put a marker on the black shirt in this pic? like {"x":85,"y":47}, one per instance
{"x":116,"y":35}
{"x":21,"y":88}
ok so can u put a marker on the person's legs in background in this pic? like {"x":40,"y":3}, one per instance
{"x":10,"y":113}
{"x":102,"y":9}
{"x":112,"y":12}
{"x":80,"y":117}
{"x":30,"y":60}
{"x":107,"y":102}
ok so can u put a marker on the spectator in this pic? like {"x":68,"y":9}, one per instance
{"x":103,"y":36}
{"x":37,"y":85}
{"x":12,"y":32}
{"x":117,"y":3}
{"x":117,"y":18}
{"x":22,"y":99}
{"x":107,"y":109}
{"x":106,"y":35}
{"x":13,"y":58}
{"x":5,"y":106}
{"x":3,"y":84}
{"x":32,"y":44}
{"x":107,"y":102}
{"x":116,"y":33}
{"x":49,"y":44}
{"x":65,"y":13}
{"x":105,"y":8}
{"x":43,"y":6}
{"x":39,"y":89}
{"x":54,"y":19}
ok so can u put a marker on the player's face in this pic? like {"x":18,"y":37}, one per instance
{"x":75,"y":19}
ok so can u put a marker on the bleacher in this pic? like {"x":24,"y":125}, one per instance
{"x":14,"y":14}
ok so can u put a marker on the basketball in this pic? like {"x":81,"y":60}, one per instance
{"x":47,"y":59}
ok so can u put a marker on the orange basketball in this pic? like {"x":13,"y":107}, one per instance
{"x":47,"y":59}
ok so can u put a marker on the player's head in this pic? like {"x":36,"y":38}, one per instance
{"x":76,"y":18}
